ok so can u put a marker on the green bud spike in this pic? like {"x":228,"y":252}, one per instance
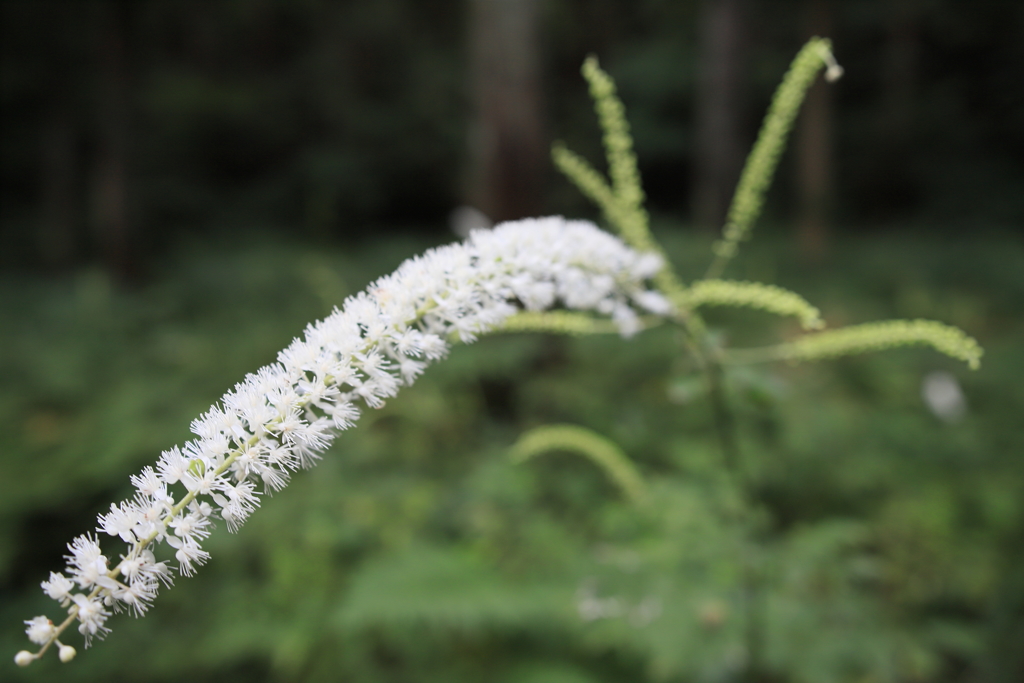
{"x":601,"y":451}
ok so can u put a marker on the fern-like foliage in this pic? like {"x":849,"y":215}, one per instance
{"x":435,"y":587}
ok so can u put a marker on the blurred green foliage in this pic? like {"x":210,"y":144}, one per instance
{"x":890,"y":541}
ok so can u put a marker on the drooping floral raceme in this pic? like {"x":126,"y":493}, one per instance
{"x":285,"y":415}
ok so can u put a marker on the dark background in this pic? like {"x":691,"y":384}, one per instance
{"x":128,"y":124}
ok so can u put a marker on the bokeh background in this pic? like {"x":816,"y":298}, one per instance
{"x":184,"y":185}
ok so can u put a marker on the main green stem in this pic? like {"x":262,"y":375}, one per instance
{"x":724,"y":421}
{"x":725,"y":428}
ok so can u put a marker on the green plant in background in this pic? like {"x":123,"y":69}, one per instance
{"x":760,"y":167}
{"x":687,"y":532}
{"x":622,"y":204}
{"x":621,"y":201}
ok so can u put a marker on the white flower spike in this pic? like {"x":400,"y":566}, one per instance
{"x":285,"y":415}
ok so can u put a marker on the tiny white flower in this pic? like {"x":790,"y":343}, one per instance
{"x":150,"y":484}
{"x":653,"y":302}
{"x":137,"y":596}
{"x":39,"y":630}
{"x":189,"y":555}
{"x":155,"y":570}
{"x":202,"y":484}
{"x":92,"y":617}
{"x":121,"y":520}
{"x":647,"y":266}
{"x":237,"y":501}
{"x":172,"y":465}
{"x":190,"y":525}
{"x":87,"y":564}
{"x":943,"y":396}
{"x":58,"y":587}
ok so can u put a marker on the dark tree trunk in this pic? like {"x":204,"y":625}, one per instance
{"x":720,"y":148}
{"x":902,"y":57}
{"x":57,"y":233}
{"x":112,"y":221}
{"x":815,"y":182}
{"x":507,"y":148}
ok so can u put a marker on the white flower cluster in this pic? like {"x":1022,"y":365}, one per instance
{"x":285,"y":415}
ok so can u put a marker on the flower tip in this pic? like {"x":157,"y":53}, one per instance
{"x":833,"y":73}
{"x":66,"y":653}
{"x":24,"y":658}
